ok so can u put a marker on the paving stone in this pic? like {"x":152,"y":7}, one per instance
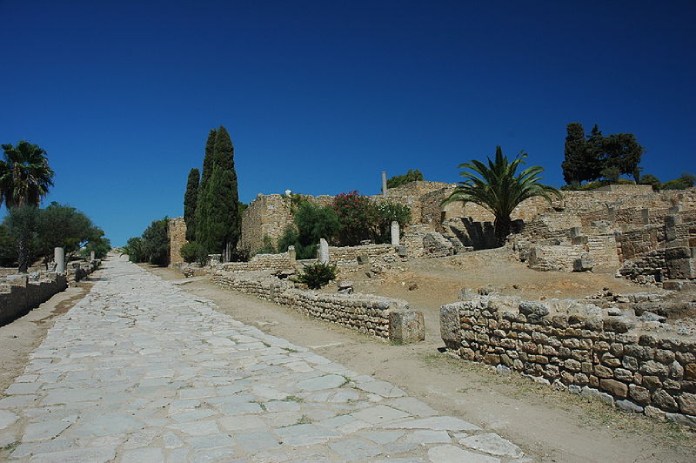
{"x":381,"y":388}
{"x":46,"y":430}
{"x":452,"y":454}
{"x":355,"y":449}
{"x":436,"y":423}
{"x":380,"y":414}
{"x":492,"y":444}
{"x":7,"y":418}
{"x":151,"y":455}
{"x":78,"y":455}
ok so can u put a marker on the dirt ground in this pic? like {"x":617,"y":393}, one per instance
{"x":549,"y":425}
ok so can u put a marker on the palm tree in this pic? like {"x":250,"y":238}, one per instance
{"x":496,"y":188}
{"x":25,"y":178}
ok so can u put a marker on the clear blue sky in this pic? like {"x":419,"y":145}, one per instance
{"x":321,"y":96}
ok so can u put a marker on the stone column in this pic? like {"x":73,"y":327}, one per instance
{"x":59,"y":259}
{"x":323,"y":251}
{"x":92,"y":256}
{"x":292,"y":255}
{"x":395,"y":233}
{"x":384,"y":183}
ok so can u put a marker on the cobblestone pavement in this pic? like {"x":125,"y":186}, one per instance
{"x":141,"y":371}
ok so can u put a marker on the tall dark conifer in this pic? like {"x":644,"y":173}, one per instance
{"x":190,"y":202}
{"x":217,"y":224}
{"x":575,"y":146}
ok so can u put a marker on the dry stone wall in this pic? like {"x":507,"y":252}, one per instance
{"x":274,"y":262}
{"x":21,"y":293}
{"x":382,"y":317}
{"x":586,"y":352}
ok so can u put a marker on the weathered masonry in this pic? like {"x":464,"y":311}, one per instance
{"x":587,"y":352}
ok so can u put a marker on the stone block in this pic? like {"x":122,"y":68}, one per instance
{"x":687,"y":403}
{"x":406,"y":326}
{"x":664,"y":401}
{"x":682,"y":268}
{"x":450,"y":326}
{"x":615,"y":388}
{"x":639,"y":394}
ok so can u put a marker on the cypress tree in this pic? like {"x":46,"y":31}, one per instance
{"x":217,"y":215}
{"x":575,"y":145}
{"x":190,"y":202}
{"x":209,"y":155}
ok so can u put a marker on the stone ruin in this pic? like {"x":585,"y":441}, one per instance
{"x":643,"y":235}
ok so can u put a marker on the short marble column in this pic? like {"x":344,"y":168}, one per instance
{"x":395,"y":233}
{"x":92,"y":256}
{"x":323,"y":251}
{"x":292,"y":255}
{"x":384,"y":183}
{"x":59,"y":259}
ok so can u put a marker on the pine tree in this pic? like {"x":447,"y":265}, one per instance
{"x":190,"y":202}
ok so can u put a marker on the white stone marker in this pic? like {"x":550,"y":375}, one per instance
{"x":59,"y":259}
{"x":395,"y":233}
{"x":323,"y":251}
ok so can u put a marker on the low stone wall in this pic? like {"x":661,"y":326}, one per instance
{"x":587,"y":353}
{"x":274,"y":262}
{"x":21,"y":293}
{"x":352,"y":256}
{"x":378,"y":316}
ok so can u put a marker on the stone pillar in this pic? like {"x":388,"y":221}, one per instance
{"x":292,"y":255}
{"x":646,"y":216}
{"x":384,"y":183}
{"x":323,"y":251}
{"x":92,"y":256}
{"x":395,"y":233}
{"x":59,"y":259}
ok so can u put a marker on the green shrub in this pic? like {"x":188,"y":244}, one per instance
{"x":388,"y":212}
{"x":317,"y":275}
{"x":194,"y":252}
{"x":357,"y":216}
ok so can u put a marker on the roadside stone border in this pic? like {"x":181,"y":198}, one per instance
{"x":595,"y":356}
{"x":382,"y":317}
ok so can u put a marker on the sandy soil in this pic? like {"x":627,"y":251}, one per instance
{"x":552,"y":426}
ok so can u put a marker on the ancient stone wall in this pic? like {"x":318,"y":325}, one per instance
{"x":267,"y":215}
{"x":377,"y":316}
{"x":273,"y":262}
{"x":177,"y":238}
{"x":20,"y":293}
{"x":600,"y":356}
{"x":347,"y":257}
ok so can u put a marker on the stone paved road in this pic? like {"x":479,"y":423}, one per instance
{"x":141,"y":371}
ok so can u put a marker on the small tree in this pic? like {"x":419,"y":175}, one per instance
{"x":25,"y":178}
{"x":155,"y":243}
{"x":412,"y":175}
{"x":134,"y":250}
{"x":356,"y":216}
{"x":498,"y":188}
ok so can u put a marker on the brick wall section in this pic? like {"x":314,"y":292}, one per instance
{"x":177,"y":238}
{"x":18,"y":295}
{"x":592,"y":355}
{"x":377,"y":316}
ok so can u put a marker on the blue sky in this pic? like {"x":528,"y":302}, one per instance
{"x":321,"y":96}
